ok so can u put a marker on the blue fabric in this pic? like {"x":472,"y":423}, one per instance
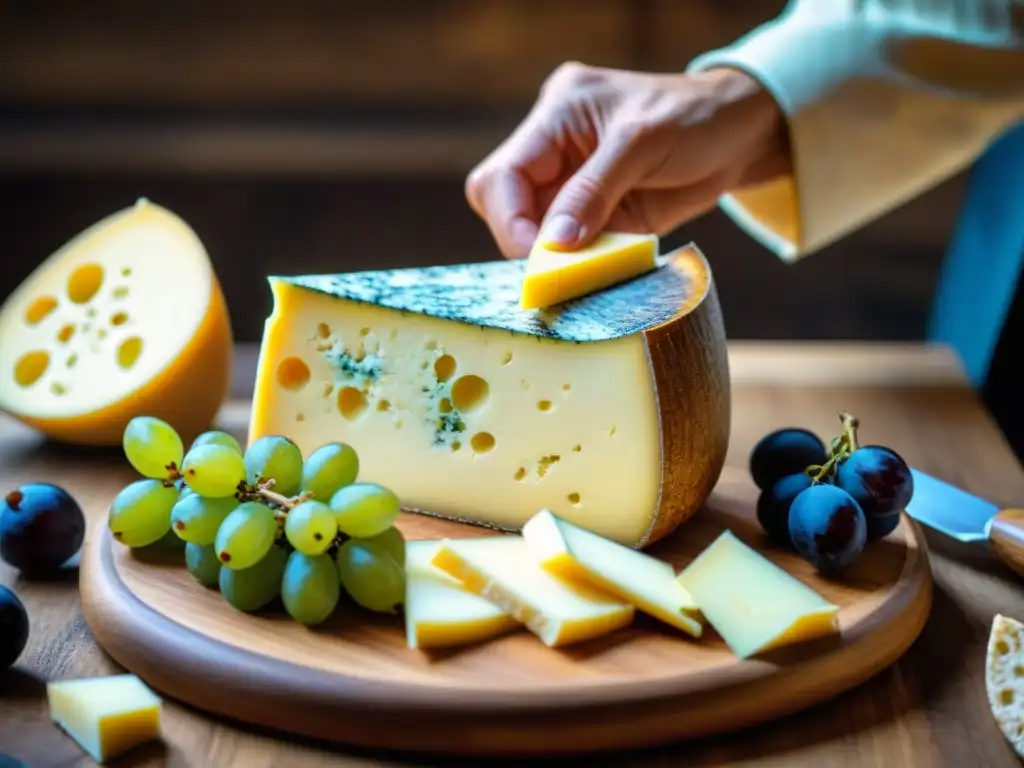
{"x":982,"y":269}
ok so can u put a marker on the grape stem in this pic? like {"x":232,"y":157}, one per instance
{"x":840,"y":449}
{"x":264,"y":491}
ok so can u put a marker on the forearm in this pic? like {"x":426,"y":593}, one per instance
{"x":880,"y":108}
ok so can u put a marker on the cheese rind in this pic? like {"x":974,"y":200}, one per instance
{"x":613,"y":414}
{"x":578,"y":555}
{"x":752,"y":603}
{"x":439,"y":611}
{"x":126,"y":319}
{"x":106,"y":716}
{"x":554,"y":276}
{"x":503,"y":570}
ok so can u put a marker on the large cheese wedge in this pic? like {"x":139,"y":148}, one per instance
{"x":439,"y":610}
{"x":581,"y":556}
{"x":125,"y":319}
{"x":752,"y":603}
{"x":503,"y":570}
{"x":555,"y":276}
{"x":107,"y":716}
{"x":1004,"y":678}
{"x":614,"y":413}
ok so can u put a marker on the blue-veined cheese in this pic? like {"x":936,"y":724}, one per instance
{"x":613,"y":412}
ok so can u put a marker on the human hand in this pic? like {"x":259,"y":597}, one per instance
{"x":606,"y":149}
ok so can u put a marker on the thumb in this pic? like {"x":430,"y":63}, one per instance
{"x":585,"y":203}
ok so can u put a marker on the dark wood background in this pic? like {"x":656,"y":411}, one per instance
{"x":320,"y":136}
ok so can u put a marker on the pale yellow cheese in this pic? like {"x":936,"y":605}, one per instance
{"x":439,"y":611}
{"x":107,"y":716}
{"x":578,"y":555}
{"x":503,"y":570}
{"x":554,"y":276}
{"x":126,"y":319}
{"x":751,"y":602}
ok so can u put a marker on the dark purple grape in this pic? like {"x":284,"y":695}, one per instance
{"x":877,"y":478}
{"x":784,"y":452}
{"x":828,"y":527}
{"x":773,"y":507}
{"x":41,"y":527}
{"x":880,"y":526}
{"x":13,"y":627}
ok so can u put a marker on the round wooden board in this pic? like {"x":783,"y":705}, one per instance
{"x":355,"y":681}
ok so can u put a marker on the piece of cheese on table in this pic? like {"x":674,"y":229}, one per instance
{"x":751,"y":602}
{"x":1004,"y":678}
{"x":126,"y":319}
{"x":439,"y":611}
{"x":106,"y":716}
{"x":614,"y":414}
{"x":554,"y":276}
{"x":503,"y":570}
{"x":581,"y":556}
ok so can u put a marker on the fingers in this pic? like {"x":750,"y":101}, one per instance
{"x":504,"y":199}
{"x":660,"y":211}
{"x":584,"y":204}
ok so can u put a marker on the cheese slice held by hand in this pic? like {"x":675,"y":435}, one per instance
{"x":439,"y":610}
{"x":554,"y":276}
{"x":502,"y":569}
{"x":578,"y":555}
{"x":613,"y":414}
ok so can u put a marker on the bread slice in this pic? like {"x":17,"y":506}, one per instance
{"x":1004,"y":678}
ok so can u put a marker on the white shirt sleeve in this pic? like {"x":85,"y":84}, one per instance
{"x":885,"y":99}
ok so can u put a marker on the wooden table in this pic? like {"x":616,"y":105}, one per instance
{"x":929,"y":709}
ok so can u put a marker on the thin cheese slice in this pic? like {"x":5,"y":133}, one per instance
{"x":503,"y":570}
{"x":126,"y":319}
{"x":751,"y":602}
{"x":107,"y":716}
{"x":555,"y":276}
{"x":439,"y":611}
{"x":578,"y":555}
{"x":614,"y":414}
{"x":1004,"y":678}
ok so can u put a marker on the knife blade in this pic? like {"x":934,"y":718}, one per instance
{"x":968,"y":518}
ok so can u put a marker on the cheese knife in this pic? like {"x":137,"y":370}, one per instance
{"x":968,"y":518}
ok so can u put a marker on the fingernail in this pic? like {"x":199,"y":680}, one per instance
{"x":561,"y":229}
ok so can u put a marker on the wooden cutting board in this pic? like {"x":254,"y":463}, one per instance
{"x":355,"y":681}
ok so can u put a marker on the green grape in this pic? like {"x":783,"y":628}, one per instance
{"x":364,"y":509}
{"x":371,"y":576}
{"x":216,"y":437}
{"x":310,"y":527}
{"x":329,"y":468}
{"x":213,"y":470}
{"x":253,"y":588}
{"x":183,"y":490}
{"x":152,"y":447}
{"x":391,"y":541}
{"x":277,"y":458}
{"x":246,"y":535}
{"x":201,"y":561}
{"x":197,"y":518}
{"x":310,"y":588}
{"x":141,"y":513}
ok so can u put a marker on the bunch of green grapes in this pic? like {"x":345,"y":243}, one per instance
{"x":265,"y":523}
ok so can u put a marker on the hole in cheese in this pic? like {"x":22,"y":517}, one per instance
{"x":574,"y":499}
{"x":64,"y":334}
{"x":445,"y":406}
{"x":84,"y":282}
{"x":611,"y":432}
{"x":119,"y":318}
{"x":544,"y":405}
{"x":1006,"y":696}
{"x":323,"y":330}
{"x":520,"y":473}
{"x":39,"y":309}
{"x":128,"y":351}
{"x":1002,"y":648}
{"x":546,"y":462}
{"x":328,"y":389}
{"x":126,"y":272}
{"x":430,"y":346}
{"x":383,"y":405}
{"x":58,"y":389}
{"x":101,"y":334}
{"x":507,"y":358}
{"x":482,"y":442}
{"x":120,"y":292}
{"x":364,"y":331}
{"x":351,"y":402}
{"x":300,"y":417}
{"x":469,"y":392}
{"x":293,"y":373}
{"x":444,"y":367}
{"x":577,"y":448}
{"x":1018,"y":671}
{"x":31,"y":367}
{"x":72,"y":359}
{"x":566,"y":387}
{"x":456,"y":445}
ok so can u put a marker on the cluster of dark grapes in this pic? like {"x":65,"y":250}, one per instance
{"x":827,"y":502}
{"x":41,"y":528}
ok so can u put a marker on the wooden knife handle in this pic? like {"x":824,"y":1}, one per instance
{"x":1007,"y":538}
